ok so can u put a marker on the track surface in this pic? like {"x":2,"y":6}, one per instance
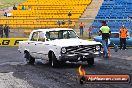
{"x":15,"y":73}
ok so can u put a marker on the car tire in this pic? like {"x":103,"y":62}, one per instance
{"x":90,"y":61}
{"x":54,"y":62}
{"x":29,"y":58}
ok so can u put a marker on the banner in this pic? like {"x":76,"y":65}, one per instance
{"x":11,"y":41}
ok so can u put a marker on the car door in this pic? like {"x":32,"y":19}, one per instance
{"x":33,"y":41}
{"x":129,"y":39}
{"x":41,"y":47}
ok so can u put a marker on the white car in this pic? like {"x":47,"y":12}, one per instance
{"x":58,"y":45}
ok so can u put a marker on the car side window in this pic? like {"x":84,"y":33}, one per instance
{"x":41,"y":37}
{"x":114,"y":35}
{"x":34,"y":36}
{"x":72,"y":34}
{"x":65,"y":35}
{"x":47,"y":36}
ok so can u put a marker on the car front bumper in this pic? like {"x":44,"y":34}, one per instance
{"x":79,"y":57}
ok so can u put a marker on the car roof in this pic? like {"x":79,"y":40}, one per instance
{"x":52,"y":29}
{"x":114,"y":32}
{"x":118,"y":32}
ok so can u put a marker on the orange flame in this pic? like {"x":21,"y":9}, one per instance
{"x":81,"y":71}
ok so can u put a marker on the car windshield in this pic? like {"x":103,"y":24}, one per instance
{"x":62,"y":34}
{"x":114,"y":35}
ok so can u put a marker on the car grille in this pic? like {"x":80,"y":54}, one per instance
{"x":80,"y":49}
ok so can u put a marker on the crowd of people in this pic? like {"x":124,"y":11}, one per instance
{"x":23,"y":7}
{"x":89,"y":30}
{"x":7,"y":14}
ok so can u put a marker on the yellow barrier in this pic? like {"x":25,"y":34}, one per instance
{"x":11,"y":41}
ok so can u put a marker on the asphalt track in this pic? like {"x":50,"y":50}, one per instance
{"x":15,"y":73}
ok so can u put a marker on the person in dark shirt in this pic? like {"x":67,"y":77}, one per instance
{"x":5,"y":14}
{"x":1,"y":30}
{"x":14,"y":7}
{"x":6,"y":30}
{"x":105,"y":32}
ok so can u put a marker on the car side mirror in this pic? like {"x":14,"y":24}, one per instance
{"x":78,"y":36}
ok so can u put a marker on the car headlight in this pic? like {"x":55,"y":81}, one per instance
{"x":97,"y":47}
{"x":63,"y":50}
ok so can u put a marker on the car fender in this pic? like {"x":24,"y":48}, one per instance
{"x":57,"y":54}
{"x":26,"y":50}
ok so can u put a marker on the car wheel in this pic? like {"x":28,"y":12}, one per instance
{"x":90,"y":61}
{"x":54,"y":62}
{"x":29,"y":59}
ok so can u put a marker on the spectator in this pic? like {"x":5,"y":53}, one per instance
{"x":14,"y":7}
{"x":1,"y":31}
{"x":69,"y":14}
{"x":23,"y":7}
{"x":123,"y":36}
{"x":90,"y":32}
{"x":5,"y":14}
{"x":105,"y":32}
{"x":29,"y":7}
{"x":59,"y":23}
{"x":6,"y":31}
{"x":81,"y":27}
{"x":63,"y":22}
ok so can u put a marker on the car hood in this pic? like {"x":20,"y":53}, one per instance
{"x":71,"y":42}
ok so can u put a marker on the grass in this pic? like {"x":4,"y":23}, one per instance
{"x":8,"y":3}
